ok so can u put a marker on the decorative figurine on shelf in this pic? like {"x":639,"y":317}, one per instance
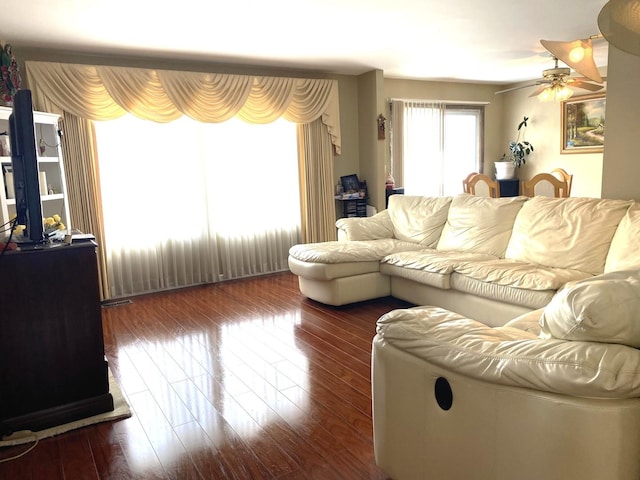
{"x":389,"y":183}
{"x":363,"y":189}
{"x":9,"y":74}
{"x":381,"y":127}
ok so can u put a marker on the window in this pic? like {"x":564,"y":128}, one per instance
{"x":187,"y":203}
{"x":435,"y":145}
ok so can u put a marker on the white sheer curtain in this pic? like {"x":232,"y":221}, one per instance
{"x":435,"y":145}
{"x":188,"y":203}
{"x":423,"y":138}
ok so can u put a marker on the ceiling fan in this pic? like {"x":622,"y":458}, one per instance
{"x":557,"y":83}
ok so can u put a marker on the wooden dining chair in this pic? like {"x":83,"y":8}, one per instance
{"x":483,"y":186}
{"x":544,"y":184}
{"x":561,"y":174}
{"x":465,"y":182}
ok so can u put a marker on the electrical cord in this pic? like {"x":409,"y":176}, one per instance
{"x":14,"y":224}
{"x":8,"y":225}
{"x":25,"y":434}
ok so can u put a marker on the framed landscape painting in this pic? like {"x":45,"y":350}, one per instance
{"x":583,"y":124}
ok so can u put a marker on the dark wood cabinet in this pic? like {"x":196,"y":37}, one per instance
{"x":52,"y":364}
{"x":509,"y":188}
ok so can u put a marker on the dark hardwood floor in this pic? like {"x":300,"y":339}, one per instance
{"x":243,"y":379}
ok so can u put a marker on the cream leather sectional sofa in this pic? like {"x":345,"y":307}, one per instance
{"x":521,"y":359}
{"x":488,"y":258}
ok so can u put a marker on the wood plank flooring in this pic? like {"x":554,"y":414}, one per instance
{"x":243,"y":379}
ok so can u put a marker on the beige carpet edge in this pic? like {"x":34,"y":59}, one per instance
{"x":121,"y":410}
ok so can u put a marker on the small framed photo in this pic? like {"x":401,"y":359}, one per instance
{"x":583,"y":124}
{"x":350,"y":183}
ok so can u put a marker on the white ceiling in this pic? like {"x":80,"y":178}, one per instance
{"x":493,"y":41}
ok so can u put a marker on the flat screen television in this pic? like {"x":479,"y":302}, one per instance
{"x":24,"y":161}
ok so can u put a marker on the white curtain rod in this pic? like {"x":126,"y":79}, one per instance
{"x":429,"y":100}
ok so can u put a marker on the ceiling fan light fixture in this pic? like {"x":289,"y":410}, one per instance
{"x":578,"y":54}
{"x":619,"y":23}
{"x":563,"y":93}
{"x":556,"y":92}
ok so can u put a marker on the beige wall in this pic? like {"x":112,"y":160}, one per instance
{"x":457,"y":92}
{"x":621,"y":168}
{"x":614,"y":174}
{"x":344,"y":164}
{"x":503,"y":114}
{"x":544,"y":132}
{"x":349,"y":161}
{"x":363,"y":98}
{"x":372,"y":150}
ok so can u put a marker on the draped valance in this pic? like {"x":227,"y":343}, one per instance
{"x":105,"y":93}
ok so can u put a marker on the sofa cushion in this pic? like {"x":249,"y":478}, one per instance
{"x":511,"y":355}
{"x":480,"y":224}
{"x":422,"y":277}
{"x":428,"y":267}
{"x":433,"y":260}
{"x":519,"y":274}
{"x":331,"y":271}
{"x":529,"y":322}
{"x":573,"y":233}
{"x":624,"y":252}
{"x":365,"y":228}
{"x":605,"y":308}
{"x":418,"y":219}
{"x":505,"y":294}
{"x":341,"y":252}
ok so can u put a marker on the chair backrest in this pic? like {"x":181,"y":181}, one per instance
{"x":561,"y":174}
{"x":465,"y":182}
{"x":545,"y":184}
{"x":483,"y":186}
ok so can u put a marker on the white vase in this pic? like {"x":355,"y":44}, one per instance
{"x":505,"y":170}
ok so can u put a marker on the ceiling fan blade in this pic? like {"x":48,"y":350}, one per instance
{"x":584,"y":64}
{"x":521,"y":87}
{"x":587,"y":79}
{"x":539,"y":90}
{"x":592,"y":87}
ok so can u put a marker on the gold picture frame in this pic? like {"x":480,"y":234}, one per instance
{"x":583,"y":122}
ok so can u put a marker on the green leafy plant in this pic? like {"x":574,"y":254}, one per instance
{"x":520,"y":149}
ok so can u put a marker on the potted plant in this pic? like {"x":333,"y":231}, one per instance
{"x":9,"y":74}
{"x":519,"y":150}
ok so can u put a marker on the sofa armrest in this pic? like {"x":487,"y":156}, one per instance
{"x":365,"y":228}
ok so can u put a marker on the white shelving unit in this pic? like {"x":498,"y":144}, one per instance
{"x":50,"y":164}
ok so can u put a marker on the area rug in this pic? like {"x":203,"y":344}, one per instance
{"x":121,"y":410}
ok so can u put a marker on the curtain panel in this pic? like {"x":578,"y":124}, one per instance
{"x":105,"y":93}
{"x":84,"y":93}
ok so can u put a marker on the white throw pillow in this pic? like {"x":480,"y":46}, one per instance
{"x":573,"y":233}
{"x":605,"y":308}
{"x":480,"y":224}
{"x":365,"y":228}
{"x":418,"y":219}
{"x":624,"y":252}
